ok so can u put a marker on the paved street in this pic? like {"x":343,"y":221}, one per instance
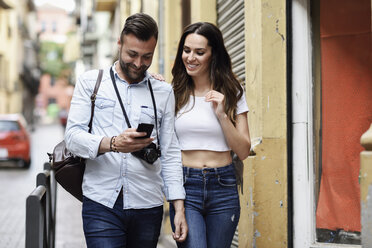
{"x":16,"y":184}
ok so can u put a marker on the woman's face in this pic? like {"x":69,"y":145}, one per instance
{"x":196,"y":55}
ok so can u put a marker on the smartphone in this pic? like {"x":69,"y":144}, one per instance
{"x":145,"y":127}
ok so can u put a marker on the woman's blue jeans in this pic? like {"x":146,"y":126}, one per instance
{"x":113,"y":228}
{"x":212,"y":207}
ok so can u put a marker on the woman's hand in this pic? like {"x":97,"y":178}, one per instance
{"x":218,"y":101}
{"x":237,"y":136}
{"x":157,"y":76}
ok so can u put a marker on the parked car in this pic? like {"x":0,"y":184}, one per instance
{"x":63,"y":115}
{"x":14,"y":139}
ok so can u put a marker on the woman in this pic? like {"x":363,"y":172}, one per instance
{"x":211,"y":120}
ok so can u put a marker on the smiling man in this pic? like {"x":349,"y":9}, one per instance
{"x":126,"y":176}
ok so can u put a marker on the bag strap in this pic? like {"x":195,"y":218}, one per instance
{"x":93,"y":98}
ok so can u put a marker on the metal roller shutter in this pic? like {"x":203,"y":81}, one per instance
{"x":230,"y":20}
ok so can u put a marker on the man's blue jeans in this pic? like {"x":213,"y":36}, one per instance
{"x":212,"y":207}
{"x":113,"y":228}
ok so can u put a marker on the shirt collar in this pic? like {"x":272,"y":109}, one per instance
{"x":117,"y":76}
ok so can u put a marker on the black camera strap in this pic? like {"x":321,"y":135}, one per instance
{"x":123,"y":109}
{"x":118,"y":95}
{"x":155,"y":112}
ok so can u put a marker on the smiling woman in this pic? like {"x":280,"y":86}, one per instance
{"x":211,"y":123}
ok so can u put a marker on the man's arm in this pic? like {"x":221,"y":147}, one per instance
{"x":78,"y":140}
{"x":172,"y":169}
{"x":125,"y":142}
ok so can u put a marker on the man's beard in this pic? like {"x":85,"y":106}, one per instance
{"x":133,"y":77}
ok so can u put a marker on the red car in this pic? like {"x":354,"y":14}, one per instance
{"x":14,"y":139}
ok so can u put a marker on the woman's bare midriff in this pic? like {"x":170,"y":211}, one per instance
{"x":205,"y":159}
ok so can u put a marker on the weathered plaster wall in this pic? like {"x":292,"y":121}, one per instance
{"x":264,"y":218}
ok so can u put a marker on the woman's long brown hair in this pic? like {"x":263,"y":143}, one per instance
{"x":221,"y":75}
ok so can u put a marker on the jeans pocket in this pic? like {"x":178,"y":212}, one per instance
{"x":104,"y":112}
{"x":227,"y":181}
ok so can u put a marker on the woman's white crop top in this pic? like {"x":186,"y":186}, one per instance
{"x":197,"y":127}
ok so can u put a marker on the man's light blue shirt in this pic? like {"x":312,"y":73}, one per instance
{"x":144,"y":185}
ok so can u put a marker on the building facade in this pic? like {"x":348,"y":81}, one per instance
{"x":19,"y":65}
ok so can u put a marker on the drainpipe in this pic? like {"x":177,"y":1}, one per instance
{"x":302,"y":126}
{"x":289,"y":123}
{"x":161,"y":37}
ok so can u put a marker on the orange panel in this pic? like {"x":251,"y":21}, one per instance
{"x":346,"y":109}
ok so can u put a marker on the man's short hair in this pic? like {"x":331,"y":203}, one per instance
{"x":140,"y":25}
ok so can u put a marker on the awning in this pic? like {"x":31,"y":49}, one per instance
{"x":4,"y":5}
{"x":106,"y":5}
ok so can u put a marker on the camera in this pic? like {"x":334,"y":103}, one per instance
{"x":149,"y":154}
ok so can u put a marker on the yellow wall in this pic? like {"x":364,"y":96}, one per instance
{"x":3,"y":60}
{"x":172,"y":32}
{"x":11,"y":87}
{"x":199,"y":13}
{"x":151,"y":8}
{"x":264,"y":204}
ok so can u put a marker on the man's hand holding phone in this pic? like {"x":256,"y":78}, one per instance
{"x":145,"y":128}
{"x":134,"y":139}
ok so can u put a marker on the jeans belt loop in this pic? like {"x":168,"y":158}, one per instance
{"x":216,"y":171}
{"x":187,"y":171}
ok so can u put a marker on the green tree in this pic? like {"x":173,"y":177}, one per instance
{"x":51,"y":61}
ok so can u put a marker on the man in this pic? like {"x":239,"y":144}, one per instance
{"x":123,"y":194}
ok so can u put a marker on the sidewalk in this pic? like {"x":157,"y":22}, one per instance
{"x":69,"y":227}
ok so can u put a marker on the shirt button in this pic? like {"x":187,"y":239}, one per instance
{"x":126,"y":191}
{"x":123,"y":174}
{"x":124,"y":157}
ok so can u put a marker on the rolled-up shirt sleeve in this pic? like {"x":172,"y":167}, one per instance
{"x":78,"y":140}
{"x":171,"y":154}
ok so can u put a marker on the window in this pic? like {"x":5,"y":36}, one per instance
{"x":54,"y":26}
{"x":6,"y":126}
{"x":43,"y":26}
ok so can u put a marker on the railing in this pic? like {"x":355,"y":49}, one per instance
{"x":366,"y":188}
{"x":41,"y":211}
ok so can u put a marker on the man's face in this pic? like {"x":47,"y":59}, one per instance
{"x":135,"y":57}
